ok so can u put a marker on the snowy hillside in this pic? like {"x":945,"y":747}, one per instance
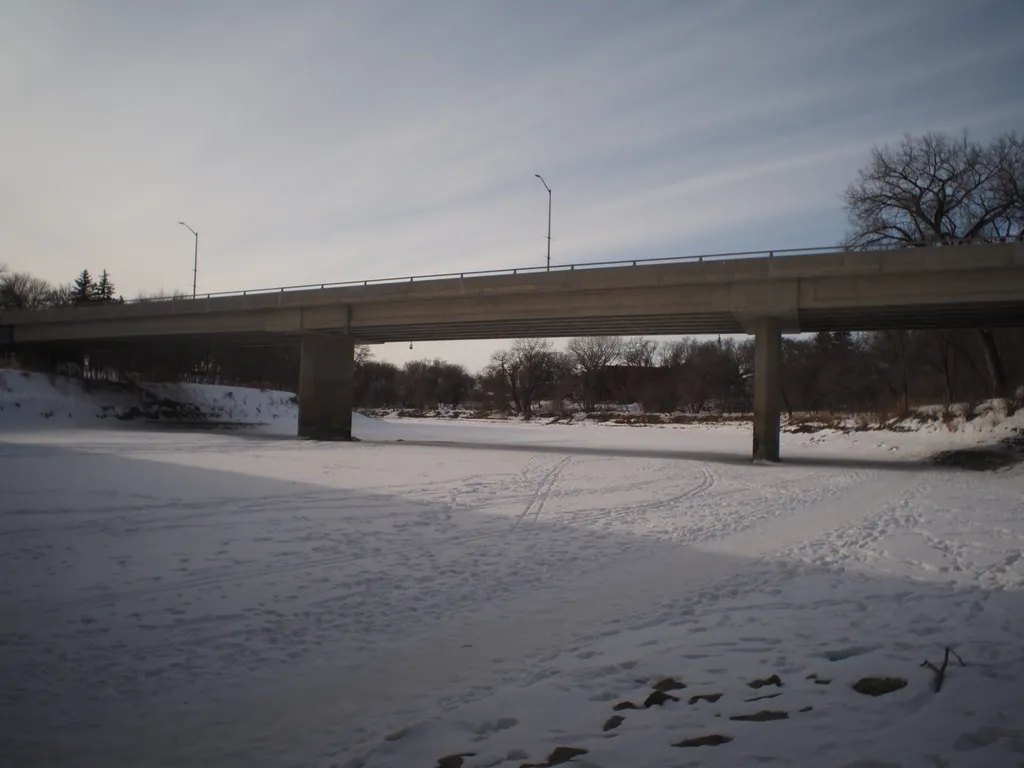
{"x":36,"y":400}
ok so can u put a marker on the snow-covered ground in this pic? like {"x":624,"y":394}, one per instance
{"x":494,"y":591}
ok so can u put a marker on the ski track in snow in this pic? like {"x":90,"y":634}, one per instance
{"x":208,"y":599}
{"x":540,"y":495}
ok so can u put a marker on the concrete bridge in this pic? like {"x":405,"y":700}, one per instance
{"x":762,"y":294}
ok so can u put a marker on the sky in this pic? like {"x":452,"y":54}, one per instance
{"x":312,"y":142}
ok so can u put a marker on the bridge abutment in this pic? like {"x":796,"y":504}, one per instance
{"x":326,"y":385}
{"x":767,"y":388}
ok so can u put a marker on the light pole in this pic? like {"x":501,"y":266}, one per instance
{"x":195,"y":262}
{"x":549,"y":216}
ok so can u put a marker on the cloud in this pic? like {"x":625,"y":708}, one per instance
{"x":322,"y":141}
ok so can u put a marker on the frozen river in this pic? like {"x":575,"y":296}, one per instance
{"x":238,"y":599}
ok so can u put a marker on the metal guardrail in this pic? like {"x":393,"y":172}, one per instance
{"x":497,"y":272}
{"x":765,"y":254}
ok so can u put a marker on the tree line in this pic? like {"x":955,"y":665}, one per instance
{"x":880,"y":373}
{"x":22,"y":290}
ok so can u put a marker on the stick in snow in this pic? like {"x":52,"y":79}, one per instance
{"x":940,"y":672}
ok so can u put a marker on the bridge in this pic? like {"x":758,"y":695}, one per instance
{"x":765,"y":294}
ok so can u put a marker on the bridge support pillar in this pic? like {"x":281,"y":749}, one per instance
{"x":325,"y":387}
{"x":767,"y":388}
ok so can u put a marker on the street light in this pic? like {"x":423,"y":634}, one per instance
{"x":195,"y":262}
{"x":549,"y":216}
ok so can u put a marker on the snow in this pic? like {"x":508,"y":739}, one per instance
{"x":38,"y":401}
{"x":243,"y":597}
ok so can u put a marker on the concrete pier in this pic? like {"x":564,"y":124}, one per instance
{"x":767,"y":389}
{"x":325,"y":387}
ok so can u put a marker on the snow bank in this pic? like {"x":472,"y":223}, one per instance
{"x":40,"y":401}
{"x":33,"y":401}
{"x":267,"y":408}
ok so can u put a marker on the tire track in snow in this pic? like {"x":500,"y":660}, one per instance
{"x":706,"y":483}
{"x":540,"y":495}
{"x":546,"y":494}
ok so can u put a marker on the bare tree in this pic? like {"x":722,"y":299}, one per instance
{"x":674,"y":353}
{"x":935,"y":189}
{"x":454,"y":383}
{"x":418,"y":385}
{"x":525,"y":372}
{"x":376,"y":384}
{"x":20,"y":290}
{"x":638,"y":352}
{"x":62,"y":295}
{"x":714,"y":376}
{"x":362,"y":354}
{"x":589,"y":357}
{"x":889,"y":353}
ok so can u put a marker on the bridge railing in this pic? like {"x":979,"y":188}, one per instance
{"x":505,"y":271}
{"x":764,"y":254}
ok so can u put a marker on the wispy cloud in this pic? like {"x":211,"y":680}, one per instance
{"x":317,"y":141}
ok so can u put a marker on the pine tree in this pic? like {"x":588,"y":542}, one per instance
{"x":84,"y":288}
{"x":105,"y":288}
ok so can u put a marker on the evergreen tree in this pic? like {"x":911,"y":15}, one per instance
{"x":105,"y":288}
{"x":84,"y":288}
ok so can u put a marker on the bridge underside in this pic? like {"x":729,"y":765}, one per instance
{"x":808,"y":321}
{"x":966,"y":315}
{"x":948,"y":316}
{"x":324,"y":359}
